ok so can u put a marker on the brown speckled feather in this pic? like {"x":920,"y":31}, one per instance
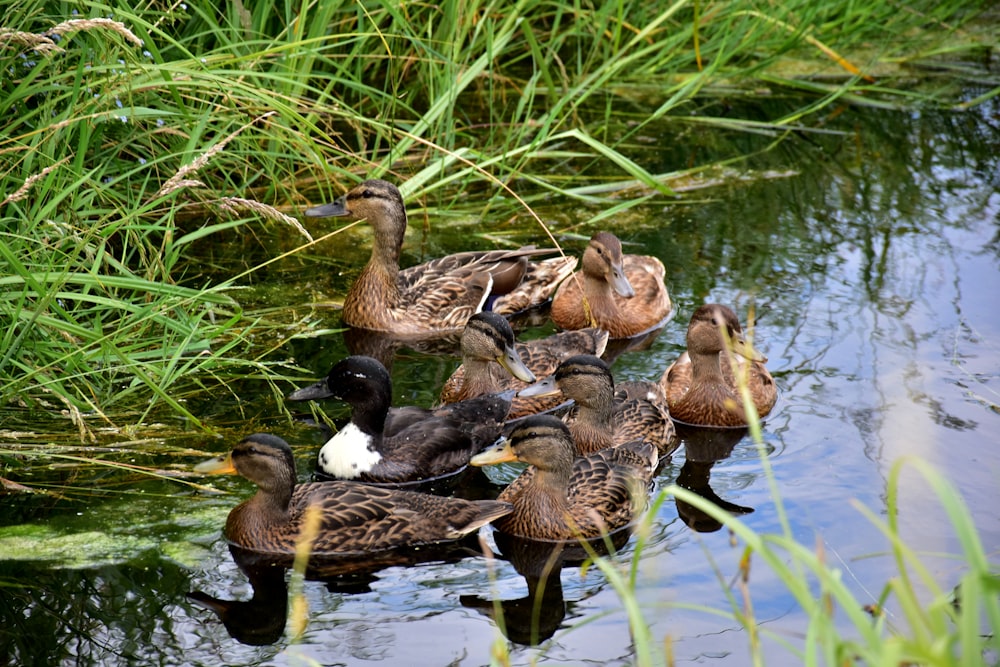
{"x":603,"y":417}
{"x":561,"y":498}
{"x":439,"y":295}
{"x":353,"y":517}
{"x":587,"y":298}
{"x":541,"y":356}
{"x":700,"y":386}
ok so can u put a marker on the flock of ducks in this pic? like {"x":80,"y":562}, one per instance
{"x":588,"y":471}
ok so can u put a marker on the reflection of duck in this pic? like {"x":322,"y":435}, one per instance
{"x":404,"y":444}
{"x":489,"y":338}
{"x":703,"y":447}
{"x":354,"y":517}
{"x":563,"y":497}
{"x":622,"y":294}
{"x":260,"y":620}
{"x":598,"y":419}
{"x":533,"y":618}
{"x":383,"y":346}
{"x":700,"y":385}
{"x":439,"y":295}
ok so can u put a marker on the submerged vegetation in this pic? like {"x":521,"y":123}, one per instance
{"x":130,"y":137}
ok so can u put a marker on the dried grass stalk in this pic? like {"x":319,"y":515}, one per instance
{"x":234,"y":204}
{"x":180,"y":180}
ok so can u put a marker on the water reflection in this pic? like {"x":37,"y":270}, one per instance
{"x":875,"y":273}
{"x":383,"y":346}
{"x":703,"y":448}
{"x":261,"y":620}
{"x":531,"y":619}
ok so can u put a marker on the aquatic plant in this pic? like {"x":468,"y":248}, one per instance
{"x":131,"y":139}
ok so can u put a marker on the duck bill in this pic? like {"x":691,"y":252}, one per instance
{"x":546,"y":387}
{"x":501,"y":453}
{"x":315,"y":391}
{"x":511,"y":360}
{"x":220,"y":465}
{"x":337,"y":209}
{"x":743,"y":348}
{"x":620,"y":283}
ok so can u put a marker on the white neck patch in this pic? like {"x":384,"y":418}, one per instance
{"x":347,"y":455}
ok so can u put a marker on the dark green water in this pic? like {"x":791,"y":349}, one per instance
{"x":872,"y":266}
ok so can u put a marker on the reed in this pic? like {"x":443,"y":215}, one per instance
{"x":132,"y":137}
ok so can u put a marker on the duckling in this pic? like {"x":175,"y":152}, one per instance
{"x":622,"y":294}
{"x":562,"y":497}
{"x":439,"y":295}
{"x":488,"y":337}
{"x":355,"y":517}
{"x":700,"y":385}
{"x":402,"y":444}
{"x":598,"y":419}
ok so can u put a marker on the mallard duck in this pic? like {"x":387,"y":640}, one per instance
{"x":565,"y":497}
{"x":700,"y":385}
{"x":489,"y":338}
{"x":622,"y":294}
{"x":354,"y":517}
{"x":439,"y":295}
{"x":598,"y":419}
{"x":402,"y":444}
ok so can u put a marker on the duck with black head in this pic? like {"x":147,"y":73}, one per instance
{"x":403,"y":444}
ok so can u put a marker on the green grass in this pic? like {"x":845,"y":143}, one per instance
{"x":130,"y":137}
{"x":917,"y":619}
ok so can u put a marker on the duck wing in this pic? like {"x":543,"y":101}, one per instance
{"x":536,"y":287}
{"x":647,"y":420}
{"x":358,"y":517}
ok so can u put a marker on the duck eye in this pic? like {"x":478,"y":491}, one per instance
{"x":367,"y":194}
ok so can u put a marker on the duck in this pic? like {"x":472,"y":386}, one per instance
{"x":439,"y":295}
{"x":562,"y":497}
{"x":700,"y":385}
{"x":623,"y":294}
{"x":355,"y":518}
{"x":602,"y":416}
{"x":404,"y":444}
{"x":489,"y":338}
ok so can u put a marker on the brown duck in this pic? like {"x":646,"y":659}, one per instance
{"x":354,"y":517}
{"x":490,"y":357}
{"x":623,"y":294}
{"x":439,"y":295}
{"x":600,"y":418}
{"x":564,"y":497}
{"x":700,"y":386}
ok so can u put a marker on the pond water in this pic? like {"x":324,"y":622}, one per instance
{"x":870,"y":258}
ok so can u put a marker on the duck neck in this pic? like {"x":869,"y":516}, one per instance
{"x":549,"y":494}
{"x":378,"y":282}
{"x":600,"y":299}
{"x":706,"y":368}
{"x":268,"y":507}
{"x":479,"y":378}
{"x":592,"y":427}
{"x":369,"y":415}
